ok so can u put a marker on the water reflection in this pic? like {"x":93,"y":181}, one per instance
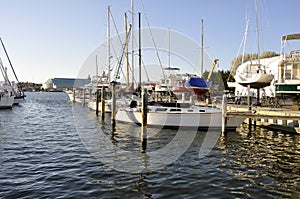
{"x":262,"y":160}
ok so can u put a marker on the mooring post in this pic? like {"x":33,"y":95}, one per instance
{"x":113,"y":105}
{"x":97,"y":101}
{"x":73,"y":94}
{"x":224,"y":114}
{"x":90,"y":94}
{"x":83,"y":97}
{"x":144,"y":119}
{"x":249,"y":107}
{"x":103,"y":102}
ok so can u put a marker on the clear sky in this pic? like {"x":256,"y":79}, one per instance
{"x":52,"y":38}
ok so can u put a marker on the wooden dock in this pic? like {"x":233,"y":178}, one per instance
{"x":279,"y":119}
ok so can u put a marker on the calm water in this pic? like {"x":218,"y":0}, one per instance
{"x":50,"y":148}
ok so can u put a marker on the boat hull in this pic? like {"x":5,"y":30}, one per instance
{"x":179,"y":120}
{"x":255,"y":80}
{"x":6,"y":101}
{"x":92,"y":106}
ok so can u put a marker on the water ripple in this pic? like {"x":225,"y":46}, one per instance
{"x":42,"y":156}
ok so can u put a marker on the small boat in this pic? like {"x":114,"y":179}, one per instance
{"x":177,"y":115}
{"x":6,"y":100}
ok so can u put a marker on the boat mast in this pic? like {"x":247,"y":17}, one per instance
{"x":126,"y":53}
{"x":257,"y":33}
{"x":108,"y":42}
{"x":202,"y":48}
{"x":132,"y":44}
{"x":169,"y":55}
{"x":97,"y":74}
{"x":140,"y":53}
{"x":9,"y":60}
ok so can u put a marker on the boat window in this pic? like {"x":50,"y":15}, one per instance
{"x":191,"y":110}
{"x":160,"y":109}
{"x":201,"y":111}
{"x":175,"y":109}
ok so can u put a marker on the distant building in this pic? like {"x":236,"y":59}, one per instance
{"x":59,"y":84}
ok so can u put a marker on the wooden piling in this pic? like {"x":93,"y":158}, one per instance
{"x":83,"y":97}
{"x":73,"y":95}
{"x":249,"y":107}
{"x":144,"y":119}
{"x":103,"y":102}
{"x":97,"y":101}
{"x":90,"y":94}
{"x":113,"y":105}
{"x":224,"y":114}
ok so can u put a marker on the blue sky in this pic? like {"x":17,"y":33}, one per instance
{"x":52,"y":38}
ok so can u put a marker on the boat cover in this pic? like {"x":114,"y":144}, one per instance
{"x":196,"y":82}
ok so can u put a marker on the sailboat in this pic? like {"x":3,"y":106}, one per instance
{"x":165,"y":114}
{"x":17,"y":91}
{"x":253,"y":73}
{"x":197,"y":84}
{"x":7,"y":96}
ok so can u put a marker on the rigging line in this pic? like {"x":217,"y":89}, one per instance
{"x":115,"y":53}
{"x":9,"y":60}
{"x":156,"y":50}
{"x":243,"y":43}
{"x":118,"y":60}
{"x":4,"y":73}
{"x":122,"y":55}
{"x":2,"y":69}
{"x":143,"y":63}
{"x":146,"y":72}
{"x":112,"y":17}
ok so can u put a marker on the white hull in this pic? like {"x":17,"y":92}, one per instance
{"x":210,"y":119}
{"x":92,"y":105}
{"x":6,"y":101}
{"x":255,"y":80}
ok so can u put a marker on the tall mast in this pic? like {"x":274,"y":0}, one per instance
{"x":9,"y":60}
{"x":132,"y":44}
{"x":108,"y":42}
{"x":126,"y":51}
{"x":169,"y":55}
{"x":97,"y":74}
{"x":140,"y":53}
{"x":202,"y":48}
{"x":257,"y":33}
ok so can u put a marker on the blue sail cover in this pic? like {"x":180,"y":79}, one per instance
{"x":197,"y":82}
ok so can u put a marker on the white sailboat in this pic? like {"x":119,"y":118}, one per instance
{"x":17,"y":91}
{"x":254,"y":73}
{"x":7,"y":96}
{"x":173,"y":114}
{"x":178,"y":117}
